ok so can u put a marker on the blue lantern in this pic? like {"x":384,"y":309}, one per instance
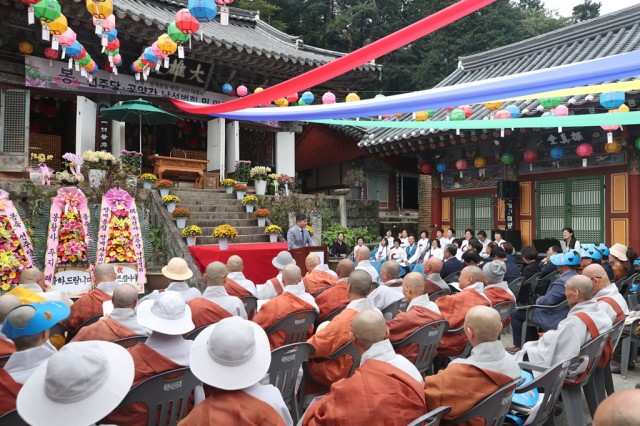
{"x":307,"y":98}
{"x":111,"y":34}
{"x":227,"y":88}
{"x":513,"y":110}
{"x":203,"y":10}
{"x":94,"y":70}
{"x":612,"y":100}
{"x":149,"y":56}
{"x":441,"y":167}
{"x":557,"y":152}
{"x":74,"y":50}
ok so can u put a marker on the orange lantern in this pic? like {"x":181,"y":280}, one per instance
{"x":282,"y":102}
{"x":25,"y":47}
{"x":58,"y":26}
{"x":421,"y":115}
{"x":480,"y":162}
{"x":492,"y":106}
{"x":613,"y":147}
{"x":100,"y":9}
{"x":167,"y":45}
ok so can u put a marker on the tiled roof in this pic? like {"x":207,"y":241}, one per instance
{"x":608,"y":35}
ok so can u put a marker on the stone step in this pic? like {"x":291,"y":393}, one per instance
{"x":216,"y":208}
{"x":242,"y":230}
{"x":235,"y":222}
{"x":208,"y":195}
{"x":205,"y":200}
{"x":209,"y":215}
{"x":258,"y":238}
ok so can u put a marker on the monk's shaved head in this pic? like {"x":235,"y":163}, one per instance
{"x":415,"y":282}
{"x":434,"y":265}
{"x":235,"y":264}
{"x":19,"y":318}
{"x":474,"y":272}
{"x":360,"y":283}
{"x":291,"y":275}
{"x":125,"y":296}
{"x":368,"y":327}
{"x":30,"y":275}
{"x":312,"y":261}
{"x":7,"y":303}
{"x":485,"y":324}
{"x":390,"y":269}
{"x":363,"y":253}
{"x":583,"y":284}
{"x":620,"y":409}
{"x":345,"y":268}
{"x":601,"y":278}
{"x":215,"y":273}
{"x":104,"y":273}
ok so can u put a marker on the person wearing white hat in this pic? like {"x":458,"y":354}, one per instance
{"x":90,"y":304}
{"x":33,"y":279}
{"x":178,"y":272}
{"x":215,"y":303}
{"x":78,"y":386}
{"x":293,"y":299}
{"x":237,"y":284}
{"x":274,"y":286}
{"x":619,"y":261}
{"x":168,"y":317}
{"x":232,"y":357}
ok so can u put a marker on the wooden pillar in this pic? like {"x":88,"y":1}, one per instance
{"x":634,"y":202}
{"x":436,"y":203}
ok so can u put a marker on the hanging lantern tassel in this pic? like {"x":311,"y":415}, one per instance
{"x":70,"y":63}
{"x":461,"y":175}
{"x":610,"y":137}
{"x":111,"y":64}
{"x":502,"y":133}
{"x":137,"y":76}
{"x":157,"y":66}
{"x":45,"y":33}
{"x":181,"y":52}
{"x":115,"y":70}
{"x":165,"y":63}
{"x":55,"y":45}
{"x":458,"y":132}
{"x":584,"y":162}
{"x":224,"y":15}
{"x":64,"y":52}
{"x":99,"y":26}
{"x":105,"y":41}
{"x":31,"y":17}
{"x":77,"y":66}
{"x":559,"y":129}
{"x":190,"y":43}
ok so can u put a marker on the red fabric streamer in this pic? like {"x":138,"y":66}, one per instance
{"x":345,"y":63}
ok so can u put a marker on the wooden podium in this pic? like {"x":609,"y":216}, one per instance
{"x":300,"y":255}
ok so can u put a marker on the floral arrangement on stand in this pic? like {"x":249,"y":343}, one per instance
{"x":261,"y":215}
{"x":250,"y":201}
{"x":273,"y":231}
{"x":131,"y":161}
{"x":180,"y":215}
{"x":40,"y":172}
{"x":287,"y":181}
{"x":192,"y":231}
{"x":225,"y":231}
{"x":259,"y":172}
{"x":243,"y":171}
{"x":170,"y":201}
{"x":16,"y":250}
{"x":228,"y":183}
{"x":239,"y":187}
{"x":74,"y":163}
{"x":148,"y":179}
{"x":98,"y":160}
{"x":163,"y":185}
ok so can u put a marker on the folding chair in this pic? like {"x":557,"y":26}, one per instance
{"x":438,"y":294}
{"x":166,"y":396}
{"x":250,"y":306}
{"x":427,"y":338}
{"x":630,"y":347}
{"x":515,"y":286}
{"x":550,"y":382}
{"x":544,"y":282}
{"x":283,"y":372}
{"x":374,"y":285}
{"x":467,"y":349}
{"x":493,"y":408}
{"x":130,"y":341}
{"x":12,"y":418}
{"x":602,"y":378}
{"x":626,"y":287}
{"x":331,"y":315}
{"x":92,"y":320}
{"x":632,"y":301}
{"x":432,"y":418}
{"x":348,"y":349}
{"x":529,"y":317}
{"x":504,"y":309}
{"x":194,"y":333}
{"x":529,"y":287}
{"x":392,"y":310}
{"x":295,"y":325}
{"x":452,"y":278}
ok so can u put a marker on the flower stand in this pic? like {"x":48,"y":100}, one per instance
{"x":171,"y":207}
{"x":262,"y":221}
{"x":249,"y":208}
{"x":35,"y":177}
{"x":181,"y":222}
{"x":229,"y":189}
{"x":164,"y":192}
{"x":273,"y":237}
{"x":191,"y":241}
{"x":240,"y":195}
{"x":261,"y":187}
{"x":223,"y":243}
{"x":146,"y":184}
{"x":96,"y":176}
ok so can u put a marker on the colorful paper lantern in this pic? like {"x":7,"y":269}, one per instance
{"x":115,"y":45}
{"x":557,"y":152}
{"x":180,"y":123}
{"x":176,"y":35}
{"x":25,"y":48}
{"x":203,"y":132}
{"x":187,"y":129}
{"x":550,"y":103}
{"x":307,"y":98}
{"x":328,"y":98}
{"x":421,"y":116}
{"x":492,"y":106}
{"x":281,"y":102}
{"x":67,"y":38}
{"x":58,"y":25}
{"x":467,"y":109}
{"x":74,"y":49}
{"x":613,"y":147}
{"x":621,"y":108}
{"x":560,"y":111}
{"x":166,"y":45}
{"x":480,"y":162}
{"x":461,"y":164}
{"x":530,"y":156}
{"x":258,"y":90}
{"x":426,"y":169}
{"x":441,"y":167}
{"x":242,"y":91}
{"x":292,"y":98}
{"x":117,"y":60}
{"x":100,"y":9}
{"x":47,"y":10}
{"x":352,"y":97}
{"x":149,"y":56}
{"x":513,"y":110}
{"x":30,"y":2}
{"x":112,"y":34}
{"x":584,"y":150}
{"x":108,"y":23}
{"x":202,"y":10}
{"x":506,"y":158}
{"x":85,"y":61}
{"x":612,"y":100}
{"x":637,"y":143}
{"x":224,"y":2}
{"x":457,"y":115}
{"x":50,"y":53}
{"x":136,"y":67}
{"x":186,"y":23}
{"x":227,"y":88}
{"x":502,"y":115}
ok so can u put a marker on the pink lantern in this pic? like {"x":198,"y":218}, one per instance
{"x":242,"y":91}
{"x":135,"y":66}
{"x":584,"y":150}
{"x":67,"y":38}
{"x":293,"y":98}
{"x":117,"y":60}
{"x":108,"y":23}
{"x":328,"y":98}
{"x":461,"y":165}
{"x":50,"y":53}
{"x":610,"y":129}
{"x":502,"y":115}
{"x":467,"y":109}
{"x":157,"y":51}
{"x":560,"y":111}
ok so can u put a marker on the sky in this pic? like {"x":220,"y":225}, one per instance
{"x":565,"y":7}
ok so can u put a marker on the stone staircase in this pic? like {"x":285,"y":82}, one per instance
{"x":212,"y":207}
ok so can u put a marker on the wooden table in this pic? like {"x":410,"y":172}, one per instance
{"x":179,"y":166}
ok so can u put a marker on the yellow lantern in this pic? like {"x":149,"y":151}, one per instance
{"x":480,"y":162}
{"x":613,"y":147}
{"x":421,"y":115}
{"x":167,"y":45}
{"x":58,"y":26}
{"x":622,"y":108}
{"x":100,"y":9}
{"x":258,"y":90}
{"x":492,"y":106}
{"x":352,"y":97}
{"x":25,"y":48}
{"x":282,"y":102}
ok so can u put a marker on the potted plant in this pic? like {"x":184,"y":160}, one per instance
{"x":148,"y":179}
{"x":131,"y":162}
{"x":287,"y":182}
{"x":224,"y":233}
{"x":98,"y":163}
{"x":39,"y":172}
{"x":355,"y":179}
{"x":74,"y":162}
{"x":228,"y":184}
{"x":273,"y":231}
{"x":240,"y":189}
{"x":191,"y":232}
{"x":249,"y":201}
{"x":259,"y":175}
{"x":163,"y":186}
{"x":243,"y":170}
{"x":261,"y":215}
{"x":170,"y":201}
{"x":273,"y":183}
{"x":181,"y":214}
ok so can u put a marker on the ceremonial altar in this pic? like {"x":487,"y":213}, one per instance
{"x":179,"y":166}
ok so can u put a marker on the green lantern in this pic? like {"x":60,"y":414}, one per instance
{"x":550,"y":103}
{"x":85,"y":61}
{"x":457,"y":115}
{"x":506,"y":158}
{"x":431,"y":112}
{"x":176,"y":35}
{"x":638,"y":143}
{"x":47,"y":10}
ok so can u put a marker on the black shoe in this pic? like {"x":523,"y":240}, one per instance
{"x":615,"y":367}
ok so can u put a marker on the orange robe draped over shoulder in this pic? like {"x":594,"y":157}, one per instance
{"x":148,"y":363}
{"x":106,"y":329}
{"x":461,"y":387}
{"x":275,"y":310}
{"x":332,"y":298}
{"x":87,"y":306}
{"x":498,"y":295}
{"x":405,"y":323}
{"x":454,"y":308}
{"x":377,"y":394}
{"x":206,"y":312}
{"x":317,"y":280}
{"x":232,"y":408}
{"x":235,"y":289}
{"x":6,"y":347}
{"x":9,"y":389}
{"x":328,"y":340}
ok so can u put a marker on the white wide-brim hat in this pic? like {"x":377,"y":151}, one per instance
{"x":232,"y":354}
{"x":177,"y":269}
{"x":167,"y":314}
{"x":77,"y":386}
{"x":283,"y":259}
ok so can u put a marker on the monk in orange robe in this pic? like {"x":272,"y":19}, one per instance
{"x":336,"y":296}
{"x":293,"y":299}
{"x":421,"y":311}
{"x":495,"y":288}
{"x":105,"y":329}
{"x":236,"y":283}
{"x":205,"y":312}
{"x":455,"y":307}
{"x":6,"y":347}
{"x":9,"y":389}
{"x":319,"y":277}
{"x":235,"y":289}
{"x":87,"y":306}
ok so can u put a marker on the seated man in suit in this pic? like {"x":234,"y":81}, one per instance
{"x":451,"y":263}
{"x":336,"y":296}
{"x":319,"y":276}
{"x":298,"y":236}
{"x":466,"y":382}
{"x":547,"y":319}
{"x":90,"y":304}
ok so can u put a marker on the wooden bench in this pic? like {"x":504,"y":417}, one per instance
{"x":179,"y":166}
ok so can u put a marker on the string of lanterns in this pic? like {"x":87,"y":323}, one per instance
{"x":105,"y":28}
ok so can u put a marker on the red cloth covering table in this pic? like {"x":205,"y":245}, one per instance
{"x":256,"y":256}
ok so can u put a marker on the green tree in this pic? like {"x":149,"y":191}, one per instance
{"x":587,"y":10}
{"x":267,"y":11}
